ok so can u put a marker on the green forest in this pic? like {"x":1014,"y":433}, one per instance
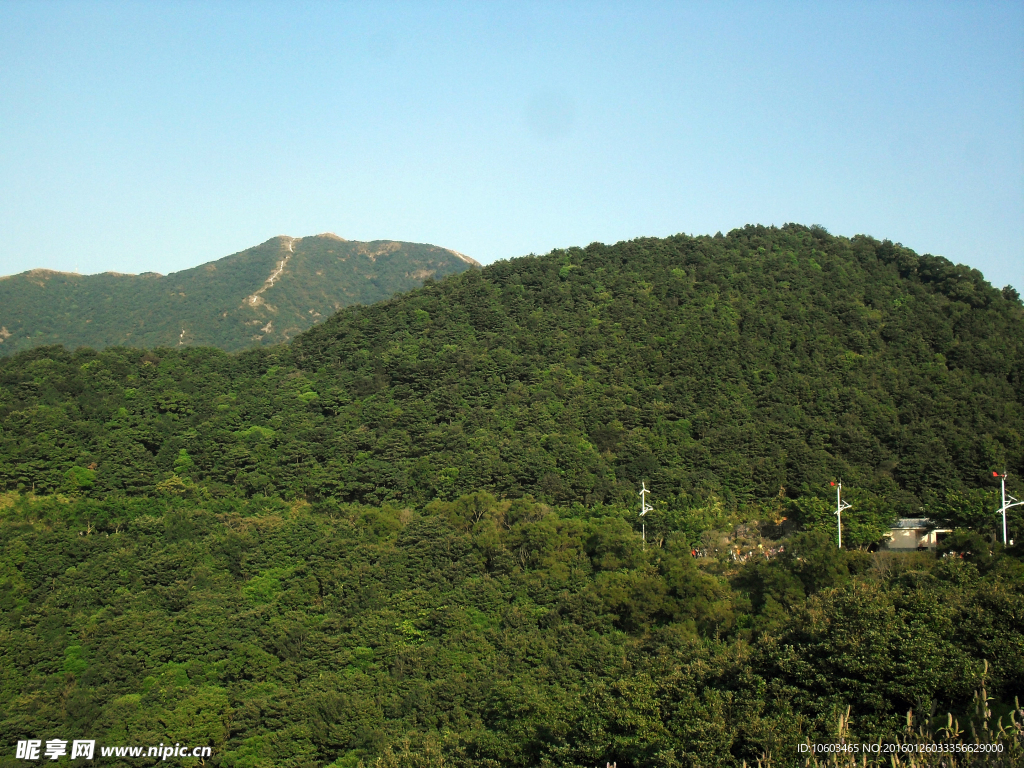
{"x":411,"y":535}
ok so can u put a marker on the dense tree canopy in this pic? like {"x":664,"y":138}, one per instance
{"x":410,"y":537}
{"x":492,"y":633}
{"x":752,"y":369}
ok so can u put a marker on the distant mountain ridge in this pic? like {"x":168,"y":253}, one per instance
{"x":263,"y":295}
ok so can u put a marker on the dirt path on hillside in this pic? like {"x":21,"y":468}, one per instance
{"x":256,"y":299}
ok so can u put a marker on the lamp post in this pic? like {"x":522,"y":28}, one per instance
{"x":840,"y":506}
{"x":644,"y":509}
{"x":1008,"y":501}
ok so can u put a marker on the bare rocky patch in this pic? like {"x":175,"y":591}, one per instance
{"x":255,"y":299}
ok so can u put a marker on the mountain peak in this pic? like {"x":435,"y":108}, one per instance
{"x":267,"y":294}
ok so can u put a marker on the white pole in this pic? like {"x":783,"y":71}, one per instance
{"x":1003,"y":485}
{"x":1008,"y":502}
{"x":839,"y":514}
{"x":644,"y":509}
{"x":840,"y":506}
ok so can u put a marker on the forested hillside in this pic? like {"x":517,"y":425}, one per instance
{"x":480,"y":634}
{"x":753,"y":369}
{"x":260,"y":296}
{"x":410,"y":536}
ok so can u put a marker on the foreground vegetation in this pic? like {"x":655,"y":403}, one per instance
{"x":411,"y":536}
{"x":477,"y":633}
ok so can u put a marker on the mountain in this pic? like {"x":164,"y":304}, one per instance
{"x":410,"y":536}
{"x":753,"y":368}
{"x":263,"y":295}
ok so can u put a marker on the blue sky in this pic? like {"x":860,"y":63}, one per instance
{"x":157,"y":136}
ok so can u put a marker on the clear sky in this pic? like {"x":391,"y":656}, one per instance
{"x":157,"y":136}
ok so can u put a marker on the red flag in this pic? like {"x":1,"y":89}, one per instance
{"x":833,"y":485}
{"x":995,"y":474}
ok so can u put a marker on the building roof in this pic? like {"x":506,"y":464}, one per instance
{"x":913,"y":522}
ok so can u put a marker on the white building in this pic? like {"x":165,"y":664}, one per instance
{"x":914,"y":533}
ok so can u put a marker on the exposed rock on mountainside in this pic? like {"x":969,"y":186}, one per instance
{"x":264,"y":295}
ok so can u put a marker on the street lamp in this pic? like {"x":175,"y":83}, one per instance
{"x":840,"y":506}
{"x":1008,"y":501}
{"x":644,"y":509}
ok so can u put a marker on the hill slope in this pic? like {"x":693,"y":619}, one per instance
{"x":264,"y":295}
{"x":192,"y":567}
{"x":752,"y":369}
